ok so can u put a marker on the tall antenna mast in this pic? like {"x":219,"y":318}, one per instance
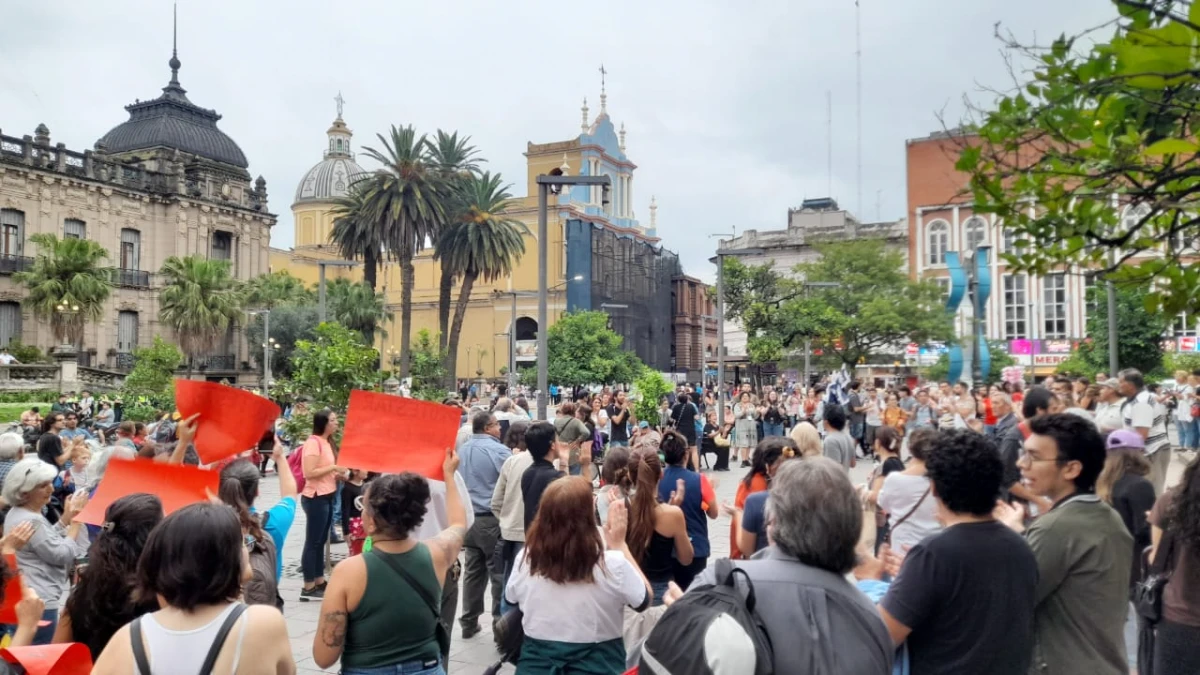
{"x":858,"y":96}
{"x":829,"y":143}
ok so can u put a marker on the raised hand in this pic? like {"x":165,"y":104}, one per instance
{"x":677,"y":494}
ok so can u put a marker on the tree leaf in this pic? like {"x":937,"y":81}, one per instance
{"x":1171,"y":146}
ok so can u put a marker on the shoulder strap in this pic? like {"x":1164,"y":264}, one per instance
{"x":219,"y":641}
{"x":911,"y":511}
{"x":139,"y":650}
{"x":434,"y":606}
{"x":1164,"y":561}
{"x":726,"y":572}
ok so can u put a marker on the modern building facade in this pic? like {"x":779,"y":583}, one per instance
{"x":620,"y":264}
{"x":814,"y":221}
{"x":166,"y":182}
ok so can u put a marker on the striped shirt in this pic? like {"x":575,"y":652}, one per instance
{"x":1142,"y":411}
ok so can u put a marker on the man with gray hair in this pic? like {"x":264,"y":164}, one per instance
{"x":1144,"y":417}
{"x":817,"y":620}
{"x":482,"y":457}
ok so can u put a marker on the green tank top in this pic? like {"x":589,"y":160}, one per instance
{"x":393,"y":624}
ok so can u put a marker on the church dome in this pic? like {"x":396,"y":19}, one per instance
{"x":172,"y":121}
{"x":334,"y":175}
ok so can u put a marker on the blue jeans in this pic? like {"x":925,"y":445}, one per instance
{"x":856,"y":430}
{"x":319,"y":513}
{"x":337,"y":511}
{"x":770,"y":429}
{"x":410,"y":668}
{"x":1188,"y":433}
{"x":660,"y":591}
{"x":575,"y":470}
{"x":44,"y":635}
{"x":508,"y":568}
{"x":618,"y":444}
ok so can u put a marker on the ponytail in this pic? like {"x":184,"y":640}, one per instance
{"x":231,"y":494}
{"x":644,"y":505}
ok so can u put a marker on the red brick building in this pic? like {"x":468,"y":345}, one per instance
{"x":694,"y":325}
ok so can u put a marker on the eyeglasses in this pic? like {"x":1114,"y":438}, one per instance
{"x":1025,"y":457}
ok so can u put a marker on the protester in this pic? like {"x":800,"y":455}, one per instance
{"x":540,"y":439}
{"x":380,"y":610}
{"x":508,"y":503}
{"x":238,"y":489}
{"x":30,"y":608}
{"x":12,"y":448}
{"x":887,"y":451}
{"x":769,"y":454}
{"x":774,"y":415}
{"x":1082,"y":550}
{"x":1176,"y":535}
{"x":571,"y":590}
{"x":47,"y":560}
{"x":816,"y":619}
{"x":320,"y":487}
{"x":1146,"y":418}
{"x":893,"y":415}
{"x":575,"y":436}
{"x":194,"y":564}
{"x":807,"y":440}
{"x":745,"y":429}
{"x":699,"y":502}
{"x":71,"y":429}
{"x":619,"y":475}
{"x":657,"y":532}
{"x":904,"y":496}
{"x":32,"y":418}
{"x":1038,"y":401}
{"x":50,"y":445}
{"x":838,"y":445}
{"x":106,"y":596}
{"x":483,"y":457}
{"x":964,"y":600}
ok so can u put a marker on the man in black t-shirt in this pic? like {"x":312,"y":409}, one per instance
{"x":683,"y":416}
{"x":618,"y":416}
{"x":50,"y":446}
{"x":541,"y":444}
{"x":964,"y":598}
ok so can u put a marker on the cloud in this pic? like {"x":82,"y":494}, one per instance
{"x":725,"y":104}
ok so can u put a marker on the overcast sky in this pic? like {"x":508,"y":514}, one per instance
{"x":724,"y":103}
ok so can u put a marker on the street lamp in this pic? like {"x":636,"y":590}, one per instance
{"x":718,"y":259}
{"x":554,"y":182}
{"x":321,"y":265}
{"x":268,"y":344}
{"x":68,"y":310}
{"x":512,"y":325}
{"x":808,"y":340}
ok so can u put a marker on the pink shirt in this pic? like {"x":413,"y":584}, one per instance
{"x":318,"y":447}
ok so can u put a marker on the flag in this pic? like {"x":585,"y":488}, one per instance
{"x":836,"y":392}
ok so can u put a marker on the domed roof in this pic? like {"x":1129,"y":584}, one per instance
{"x":335,"y":174}
{"x":172,"y":121}
{"x":328,"y":180}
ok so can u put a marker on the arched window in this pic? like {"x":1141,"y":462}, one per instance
{"x":937,"y":237}
{"x":974,"y":233}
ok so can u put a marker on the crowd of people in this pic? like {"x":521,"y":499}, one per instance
{"x":1030,"y":530}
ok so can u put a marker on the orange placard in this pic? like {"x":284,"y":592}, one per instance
{"x":70,"y":658}
{"x":177,"y":485}
{"x":392,"y":434}
{"x":231,"y":420}
{"x":13,"y":592}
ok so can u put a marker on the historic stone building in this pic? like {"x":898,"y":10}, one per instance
{"x":166,"y":182}
{"x":694,"y":328}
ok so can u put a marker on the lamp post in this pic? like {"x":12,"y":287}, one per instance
{"x":719,"y":260}
{"x":268,"y":344}
{"x":68,"y":310}
{"x":553,"y":182}
{"x":808,"y":340}
{"x":512,"y":325}
{"x":321,"y":265}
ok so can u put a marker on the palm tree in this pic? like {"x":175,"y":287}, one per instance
{"x":68,"y":274}
{"x":486,"y":244}
{"x":408,"y":198}
{"x":273,"y":289}
{"x":457,"y":162}
{"x":199,"y":301}
{"x":356,"y":233}
{"x":358,"y":307}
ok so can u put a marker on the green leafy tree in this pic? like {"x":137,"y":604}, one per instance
{"x":428,"y":374}
{"x":648,"y":389}
{"x":1139,"y":334}
{"x":1102,"y":138}
{"x":583,"y":350}
{"x":289,"y":324}
{"x":27,"y":353}
{"x":358,"y":307}
{"x":457,"y":161}
{"x":408,"y":198}
{"x":67,"y":284}
{"x":199,"y":300}
{"x":332,"y":364}
{"x":485,"y":243}
{"x":276,"y":289}
{"x":1000,"y":358}
{"x":152,"y":378}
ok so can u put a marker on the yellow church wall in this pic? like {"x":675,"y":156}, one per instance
{"x":542,"y":159}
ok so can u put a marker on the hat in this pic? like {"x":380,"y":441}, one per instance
{"x":1111,"y":383}
{"x":1124,"y":438}
{"x":643,"y":424}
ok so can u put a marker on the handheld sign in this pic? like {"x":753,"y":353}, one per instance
{"x":231,"y":420}
{"x":69,"y":658}
{"x":177,"y":485}
{"x":14,"y":590}
{"x":392,"y":434}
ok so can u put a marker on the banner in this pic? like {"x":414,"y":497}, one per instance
{"x":231,"y":420}
{"x":393,"y":434}
{"x":177,"y":485}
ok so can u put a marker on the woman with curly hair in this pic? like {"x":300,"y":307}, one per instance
{"x":1176,"y":533}
{"x":572,"y":583}
{"x":382,"y":608}
{"x":105,"y":598}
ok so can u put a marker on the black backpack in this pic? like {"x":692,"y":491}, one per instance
{"x":710,"y":617}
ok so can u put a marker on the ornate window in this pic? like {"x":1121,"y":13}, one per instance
{"x":10,"y":322}
{"x":73,"y":228}
{"x":12,"y":231}
{"x":131,"y":249}
{"x":974,"y":233}
{"x":1015,"y":307}
{"x":937,"y":237}
{"x":1054,"y":307}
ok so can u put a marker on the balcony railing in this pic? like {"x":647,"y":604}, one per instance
{"x":124,"y":362}
{"x":14,"y":263}
{"x":131,"y":278}
{"x":218,"y":362}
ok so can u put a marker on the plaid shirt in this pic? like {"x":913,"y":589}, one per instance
{"x":6,"y":465}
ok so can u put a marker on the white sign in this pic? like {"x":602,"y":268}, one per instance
{"x":1049,"y":359}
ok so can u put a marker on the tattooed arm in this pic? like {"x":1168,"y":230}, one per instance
{"x":445,"y":547}
{"x":330,"y":638}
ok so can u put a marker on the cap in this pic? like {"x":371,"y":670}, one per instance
{"x":1111,"y":383}
{"x":1124,"y":438}
{"x":643,"y":424}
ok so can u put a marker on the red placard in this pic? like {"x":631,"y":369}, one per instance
{"x":231,"y":420}
{"x":69,"y":658}
{"x":13,"y":592}
{"x":177,"y":485}
{"x":392,"y":434}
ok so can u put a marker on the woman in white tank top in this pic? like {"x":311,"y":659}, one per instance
{"x":195,"y":563}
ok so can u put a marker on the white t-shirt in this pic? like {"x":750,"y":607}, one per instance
{"x":873,"y":412}
{"x":1183,"y":410}
{"x":1109,"y":416}
{"x":1144,"y":412}
{"x":6,"y":359}
{"x":900,"y":492}
{"x":577,"y":612}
